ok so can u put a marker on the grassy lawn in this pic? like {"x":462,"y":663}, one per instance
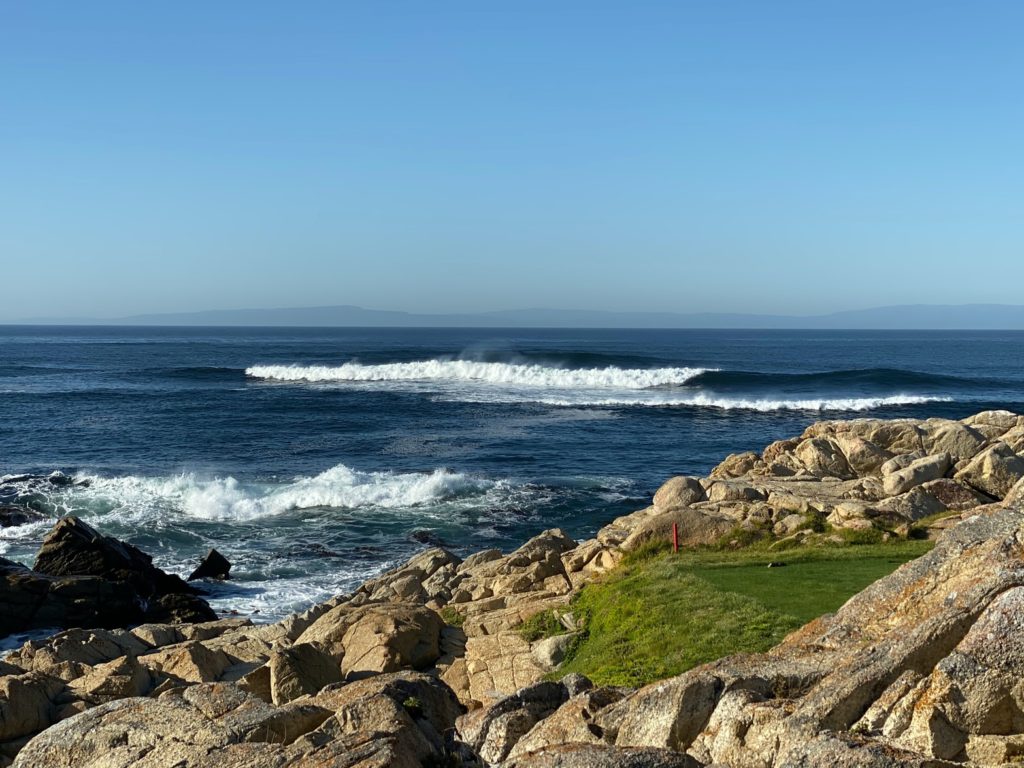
{"x":658,"y":616}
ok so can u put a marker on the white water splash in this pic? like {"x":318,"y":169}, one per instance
{"x":507,"y":374}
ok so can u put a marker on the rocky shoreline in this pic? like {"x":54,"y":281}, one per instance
{"x":425,"y":665}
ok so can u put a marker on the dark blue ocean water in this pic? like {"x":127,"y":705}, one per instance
{"x":313,"y":458}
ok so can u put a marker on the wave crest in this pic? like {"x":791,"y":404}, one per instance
{"x":516,"y":374}
{"x":748,"y":404}
{"x":228,"y":499}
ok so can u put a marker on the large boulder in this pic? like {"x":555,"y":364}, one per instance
{"x":679,"y":491}
{"x":74,"y":548}
{"x":824,"y":458}
{"x":994,"y":471}
{"x":694,"y":528}
{"x":300,"y":670}
{"x":30,"y":600}
{"x":387,"y":639}
{"x":917,"y":472}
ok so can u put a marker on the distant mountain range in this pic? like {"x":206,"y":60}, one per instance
{"x":910,"y":317}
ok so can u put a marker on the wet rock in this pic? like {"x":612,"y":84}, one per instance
{"x":74,"y":549}
{"x":214,"y":566}
{"x":30,"y":600}
{"x":12,"y":516}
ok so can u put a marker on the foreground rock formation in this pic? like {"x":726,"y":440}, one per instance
{"x":82,"y":578}
{"x":426,"y":665}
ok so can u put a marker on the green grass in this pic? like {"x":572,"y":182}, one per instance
{"x":660,"y":614}
{"x":452,"y":617}
{"x":541,"y":625}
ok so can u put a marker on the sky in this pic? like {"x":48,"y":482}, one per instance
{"x":777,"y":157}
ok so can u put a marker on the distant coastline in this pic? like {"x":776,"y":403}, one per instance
{"x":996,"y":317}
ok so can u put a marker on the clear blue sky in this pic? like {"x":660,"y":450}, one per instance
{"x":455,"y":156}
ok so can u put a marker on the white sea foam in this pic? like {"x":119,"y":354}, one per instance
{"x":749,"y":404}
{"x":228,"y":499}
{"x":507,"y":374}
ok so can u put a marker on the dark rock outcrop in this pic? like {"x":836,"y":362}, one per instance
{"x":84,"y":579}
{"x":214,"y":566}
{"x":12,"y":515}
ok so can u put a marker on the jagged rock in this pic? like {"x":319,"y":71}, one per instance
{"x":824,"y":458}
{"x":184,"y":727}
{"x":679,"y":491}
{"x":862,"y":456}
{"x":994,"y":471}
{"x":74,"y":549}
{"x":572,"y":723}
{"x":76,"y":646}
{"x":391,"y":638}
{"x":736,"y":465}
{"x":191,"y":662}
{"x":30,"y":600}
{"x":27,"y":703}
{"x":492,"y":733}
{"x":300,"y":670}
{"x":601,"y":756}
{"x":954,"y":495}
{"x":419,"y":705}
{"x":214,"y":566}
{"x":958,"y":440}
{"x":118,"y":679}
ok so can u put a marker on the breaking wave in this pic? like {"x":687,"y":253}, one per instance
{"x":229,"y":499}
{"x":753,"y":404}
{"x":508,"y":374}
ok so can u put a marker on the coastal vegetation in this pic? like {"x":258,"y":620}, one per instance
{"x":660,"y":614}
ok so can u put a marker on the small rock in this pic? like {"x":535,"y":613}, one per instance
{"x":214,"y":566}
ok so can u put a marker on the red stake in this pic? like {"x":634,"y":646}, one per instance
{"x":675,"y":537}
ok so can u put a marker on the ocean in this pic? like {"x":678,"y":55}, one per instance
{"x":315,"y":458}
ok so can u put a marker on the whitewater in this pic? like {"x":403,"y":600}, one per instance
{"x":523,"y":375}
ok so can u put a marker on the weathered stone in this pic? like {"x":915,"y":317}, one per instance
{"x":26,"y":704}
{"x":737,"y":465}
{"x":862,"y":456}
{"x":601,"y":756}
{"x":994,"y":471}
{"x":824,"y":458}
{"x":917,"y":472}
{"x":679,"y":491}
{"x":388,"y":638}
{"x":694,"y":528}
{"x":735,"y":490}
{"x":118,"y":679}
{"x":191,"y":662}
{"x":958,"y":440}
{"x":550,"y":651}
{"x":300,"y":670}
{"x":572,"y":723}
{"x":1002,"y":419}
